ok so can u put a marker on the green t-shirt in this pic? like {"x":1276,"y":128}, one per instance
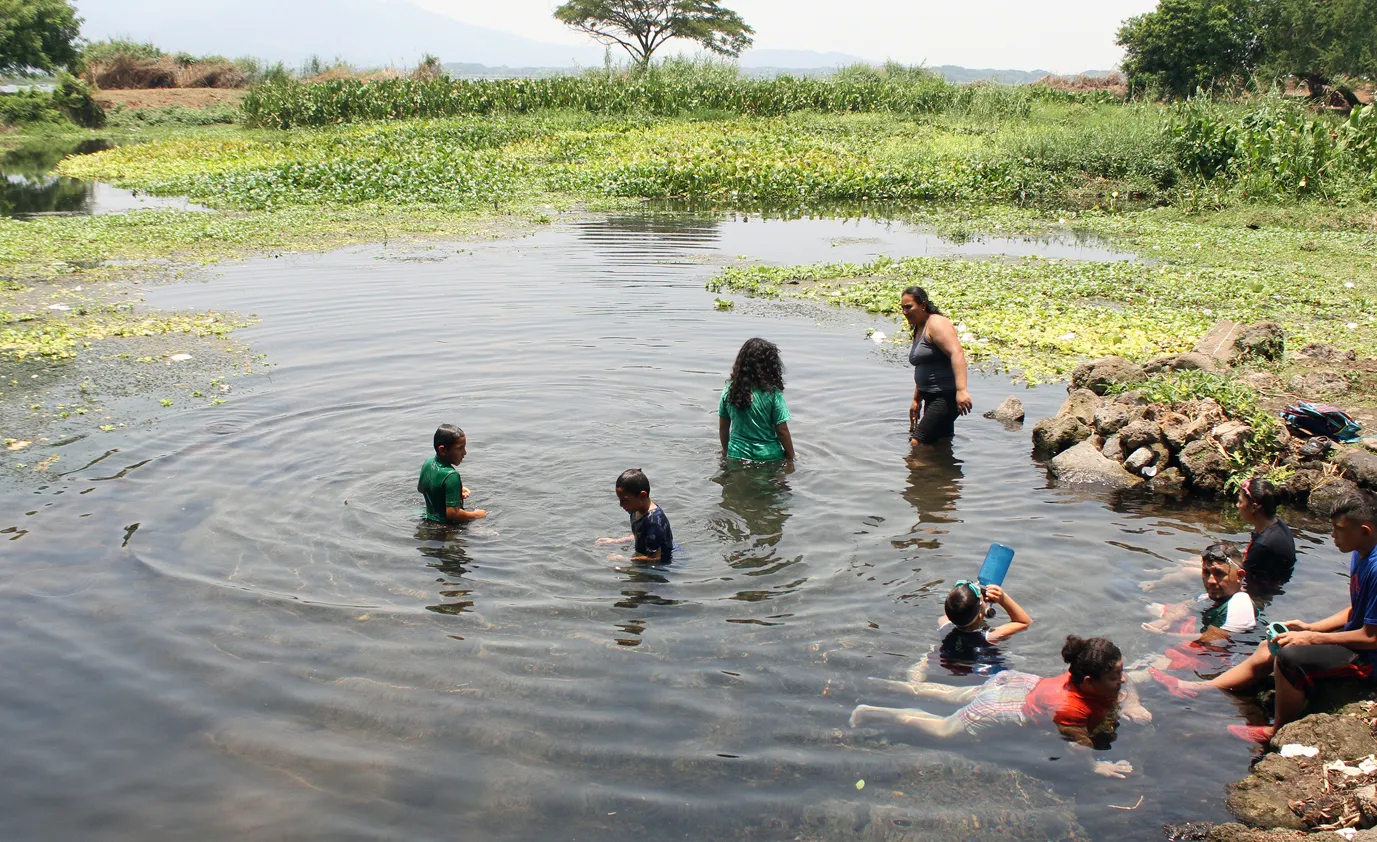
{"x":753,"y":429}
{"x":442,"y":487}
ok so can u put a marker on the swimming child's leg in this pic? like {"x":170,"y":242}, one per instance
{"x":933,"y":690}
{"x":928,"y":723}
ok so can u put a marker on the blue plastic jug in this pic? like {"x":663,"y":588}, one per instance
{"x":996,"y":565}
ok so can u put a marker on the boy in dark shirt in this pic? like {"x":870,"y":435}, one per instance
{"x":440,"y":482}
{"x":1341,"y":646}
{"x":649,"y":526}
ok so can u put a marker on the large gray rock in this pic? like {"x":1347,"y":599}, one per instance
{"x":1140,"y":433}
{"x":1263,"y":799}
{"x":1319,"y":383}
{"x":1082,"y":404}
{"x":1113,"y":448}
{"x":1328,"y":353}
{"x":1008,"y":412}
{"x":1204,"y":466}
{"x":1302,"y":482}
{"x":1190,"y":361}
{"x":1053,"y":435}
{"x":1180,"y":430}
{"x":1232,"y":435}
{"x":1360,"y":464}
{"x":1099,"y":375}
{"x":1085,"y":464}
{"x":1337,"y":737}
{"x":1110,"y":418}
{"x":1263,"y":341}
{"x":1218,"y":343}
{"x":1326,"y":495}
{"x":1139,"y":459}
{"x":1168,"y":481}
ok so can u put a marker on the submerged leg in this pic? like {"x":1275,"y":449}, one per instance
{"x":932,"y":690}
{"x":937,"y":726}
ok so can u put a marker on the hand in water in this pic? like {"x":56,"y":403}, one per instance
{"x":465,"y":493}
{"x":1117,"y":769}
{"x":1137,"y":714}
{"x":617,"y":557}
{"x":606,"y":542}
{"x":963,"y":401}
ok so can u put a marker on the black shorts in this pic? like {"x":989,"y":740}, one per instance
{"x":938,"y":420}
{"x":1302,"y":666}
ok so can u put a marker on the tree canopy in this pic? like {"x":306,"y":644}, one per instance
{"x":37,"y":35}
{"x":642,"y":26}
{"x":1319,"y":41}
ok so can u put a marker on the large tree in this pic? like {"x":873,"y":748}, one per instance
{"x":1319,"y":40}
{"x":642,"y":26}
{"x":1188,"y":44}
{"x":37,"y":35}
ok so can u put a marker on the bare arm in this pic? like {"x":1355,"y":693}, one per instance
{"x":782,"y":430}
{"x":943,"y":334}
{"x":457,"y":514}
{"x":724,"y":432}
{"x":1019,"y":619}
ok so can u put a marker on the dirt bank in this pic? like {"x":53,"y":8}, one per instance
{"x":164,"y":97}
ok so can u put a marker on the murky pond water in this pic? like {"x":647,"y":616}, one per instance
{"x":233,"y":624}
{"x":28,"y":187}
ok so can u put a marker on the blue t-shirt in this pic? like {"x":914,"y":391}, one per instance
{"x":1362,"y":593}
{"x":653,"y":533}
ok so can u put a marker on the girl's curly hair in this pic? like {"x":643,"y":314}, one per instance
{"x":757,"y":366}
{"x":1089,"y":657}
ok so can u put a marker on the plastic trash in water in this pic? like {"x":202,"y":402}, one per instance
{"x":996,"y":565}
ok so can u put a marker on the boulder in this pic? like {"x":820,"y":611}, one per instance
{"x":1302,"y":482}
{"x":1360,"y":464}
{"x":1139,"y":459}
{"x":1110,"y":418}
{"x":1084,"y":464}
{"x":1133,"y":397}
{"x":1261,"y":380}
{"x":1180,"y":430}
{"x":1163,"y":455}
{"x":1218,"y":343}
{"x":1204,"y":466}
{"x":1319,"y":383}
{"x":1140,"y":433}
{"x":1328,"y":353}
{"x":1207,"y":408}
{"x":1337,"y":737}
{"x":1113,"y":448}
{"x":1326,"y":495}
{"x":1232,"y":435}
{"x":1081,"y":404}
{"x":1263,"y":799}
{"x":1053,"y":435}
{"x":1262,"y":341}
{"x":1099,"y":375}
{"x":1189,"y":361}
{"x":1168,"y":481}
{"x":1008,"y":412}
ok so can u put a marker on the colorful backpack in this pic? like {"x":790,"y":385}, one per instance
{"x":1307,"y":419}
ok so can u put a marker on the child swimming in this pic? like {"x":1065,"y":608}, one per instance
{"x":440,"y":483}
{"x":753,"y":420}
{"x":1080,"y":703}
{"x":650,"y":528}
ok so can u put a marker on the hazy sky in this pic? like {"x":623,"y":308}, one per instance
{"x":1063,"y":36}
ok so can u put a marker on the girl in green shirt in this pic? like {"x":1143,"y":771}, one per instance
{"x":752,"y":416}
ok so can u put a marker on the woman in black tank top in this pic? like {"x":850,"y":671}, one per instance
{"x":939,"y":370}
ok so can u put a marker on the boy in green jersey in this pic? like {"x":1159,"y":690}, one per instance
{"x":440,"y":483}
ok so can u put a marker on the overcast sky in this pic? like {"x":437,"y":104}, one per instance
{"x":1064,"y":36}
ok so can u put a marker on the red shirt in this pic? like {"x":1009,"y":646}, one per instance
{"x":1057,"y":700}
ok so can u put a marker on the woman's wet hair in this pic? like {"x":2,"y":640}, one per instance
{"x":1262,"y":494}
{"x":757,"y":366}
{"x":1089,"y":657}
{"x":446,"y":435}
{"x":920,"y":297}
{"x":1223,"y":552}
{"x":962,"y":605}
{"x":633,"y":481}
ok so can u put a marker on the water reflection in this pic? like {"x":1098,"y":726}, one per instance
{"x":29,"y":188}
{"x":758,"y":497}
{"x":934,"y":487}
{"x":444,"y":545}
{"x":636,"y":595}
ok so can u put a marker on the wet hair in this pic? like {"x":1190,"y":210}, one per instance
{"x":633,"y":481}
{"x":962,"y":605}
{"x":920,"y":296}
{"x":1356,"y":507}
{"x":1262,"y":494}
{"x":1089,"y":657}
{"x":446,"y":435}
{"x":1226,"y":552}
{"x":757,"y":366}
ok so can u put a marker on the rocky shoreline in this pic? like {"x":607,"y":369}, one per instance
{"x":1112,"y":433}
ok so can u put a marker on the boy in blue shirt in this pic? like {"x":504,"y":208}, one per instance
{"x":1342,"y":646}
{"x":649,"y":526}
{"x":440,"y":482}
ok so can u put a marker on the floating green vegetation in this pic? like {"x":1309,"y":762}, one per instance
{"x":1040,"y":317}
{"x":60,"y":336}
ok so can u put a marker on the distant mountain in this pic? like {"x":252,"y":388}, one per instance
{"x":798,"y":59}
{"x":367,"y":33}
